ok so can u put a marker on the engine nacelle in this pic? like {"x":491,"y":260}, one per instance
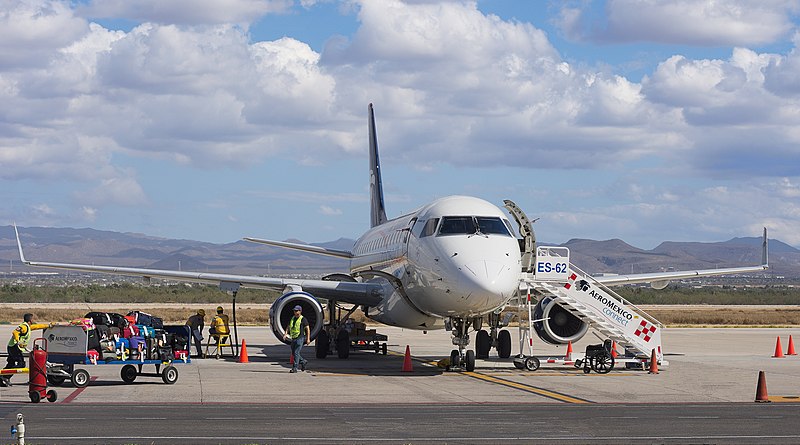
{"x":282,"y":311}
{"x":561,"y":327}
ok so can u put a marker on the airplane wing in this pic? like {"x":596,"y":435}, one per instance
{"x":659,"y":280}
{"x":303,"y":248}
{"x":350,"y":292}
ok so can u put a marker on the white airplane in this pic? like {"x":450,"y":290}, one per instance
{"x":453,"y":263}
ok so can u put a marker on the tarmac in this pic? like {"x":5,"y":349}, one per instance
{"x":705,"y":365}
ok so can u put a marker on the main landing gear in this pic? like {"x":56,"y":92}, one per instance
{"x":495,"y":337}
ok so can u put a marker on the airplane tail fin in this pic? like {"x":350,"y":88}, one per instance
{"x":377,"y":208}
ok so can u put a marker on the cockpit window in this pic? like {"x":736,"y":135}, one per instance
{"x":429,"y":228}
{"x":457,"y":225}
{"x":492,"y":226}
{"x":470,"y":225}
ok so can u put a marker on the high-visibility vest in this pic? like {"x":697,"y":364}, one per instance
{"x":294,"y":326}
{"x":23,"y":338}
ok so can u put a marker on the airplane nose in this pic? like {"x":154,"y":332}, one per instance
{"x":492,"y":277}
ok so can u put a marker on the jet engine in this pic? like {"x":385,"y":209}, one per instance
{"x":282,"y":311}
{"x":561,"y":327}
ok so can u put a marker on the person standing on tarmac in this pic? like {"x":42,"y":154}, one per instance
{"x":19,"y":344}
{"x":196,"y":323}
{"x":299,"y":333}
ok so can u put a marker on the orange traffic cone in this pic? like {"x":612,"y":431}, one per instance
{"x":790,"y":348}
{"x":778,"y":349}
{"x":407,"y":366}
{"x":653,"y":363}
{"x":761,"y":389}
{"x":614,"y":349}
{"x":569,"y":352}
{"x":243,"y":353}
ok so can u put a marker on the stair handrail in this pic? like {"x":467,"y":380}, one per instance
{"x":639,"y":310}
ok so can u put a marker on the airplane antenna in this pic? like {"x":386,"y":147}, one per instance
{"x":377,"y":208}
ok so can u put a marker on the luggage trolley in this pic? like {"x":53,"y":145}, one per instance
{"x":68,"y":347}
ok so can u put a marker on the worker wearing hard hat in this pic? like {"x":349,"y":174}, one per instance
{"x":196,"y":323}
{"x":219,"y":324}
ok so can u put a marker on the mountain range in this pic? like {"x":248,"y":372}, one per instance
{"x":90,"y":246}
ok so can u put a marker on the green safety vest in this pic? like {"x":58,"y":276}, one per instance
{"x":23,"y":338}
{"x":294,"y":326}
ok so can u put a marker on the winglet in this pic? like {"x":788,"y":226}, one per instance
{"x":377,"y":209}
{"x":19,"y":245}
{"x":765,"y":251}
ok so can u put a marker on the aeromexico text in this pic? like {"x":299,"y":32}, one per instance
{"x":612,"y":309}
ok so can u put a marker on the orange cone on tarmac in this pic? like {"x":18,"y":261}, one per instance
{"x":243,"y":353}
{"x":790,"y":348}
{"x":761,"y":389}
{"x":778,"y":349}
{"x":407,"y":366}
{"x":653,"y":363}
{"x":569,"y":351}
{"x":614,"y":349}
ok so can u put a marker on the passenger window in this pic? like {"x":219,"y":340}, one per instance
{"x":429,"y":228}
{"x":457,"y":225}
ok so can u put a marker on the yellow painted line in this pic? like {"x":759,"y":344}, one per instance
{"x":784,"y":399}
{"x":528,"y":388}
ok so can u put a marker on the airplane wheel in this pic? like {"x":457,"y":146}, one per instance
{"x":504,"y":344}
{"x":128,"y":373}
{"x":470,"y":360}
{"x":455,"y":358}
{"x":343,"y":344}
{"x":80,"y":378}
{"x":322,"y":345}
{"x":52,"y":396}
{"x":532,"y":363}
{"x":483,"y":343}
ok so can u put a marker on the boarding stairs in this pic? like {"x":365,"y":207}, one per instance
{"x":548,"y":271}
{"x":597,"y":305}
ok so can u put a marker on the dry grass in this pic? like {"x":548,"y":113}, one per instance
{"x":671,"y":316}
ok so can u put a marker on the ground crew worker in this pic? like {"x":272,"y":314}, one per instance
{"x":19,"y":344}
{"x":196,"y":323}
{"x":219,"y":325}
{"x":299,"y":333}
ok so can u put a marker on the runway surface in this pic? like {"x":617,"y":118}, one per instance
{"x":705,"y":395}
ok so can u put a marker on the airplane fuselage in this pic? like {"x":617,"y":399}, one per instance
{"x":454,"y":257}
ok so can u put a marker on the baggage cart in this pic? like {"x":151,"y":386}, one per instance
{"x":68,"y":348}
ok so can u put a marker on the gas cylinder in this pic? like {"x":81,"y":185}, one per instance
{"x":37,"y":373}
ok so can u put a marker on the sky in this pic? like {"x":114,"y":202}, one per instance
{"x":212,"y":120}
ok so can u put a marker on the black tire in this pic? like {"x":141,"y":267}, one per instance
{"x":470,"y":360}
{"x":504,"y":344}
{"x":35,"y":396}
{"x":52,"y":396}
{"x":343,"y":344}
{"x":455,"y":358}
{"x":384,"y":351}
{"x":322,"y":345}
{"x":532,"y":363}
{"x":483,"y":344}
{"x":518,"y":364}
{"x":56,"y":380}
{"x":128,"y":373}
{"x":169,"y":375}
{"x":80,"y":378}
{"x":603,"y":364}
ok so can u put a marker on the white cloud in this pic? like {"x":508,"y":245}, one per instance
{"x":329,"y":211}
{"x":685,"y":22}
{"x":186,"y":12}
